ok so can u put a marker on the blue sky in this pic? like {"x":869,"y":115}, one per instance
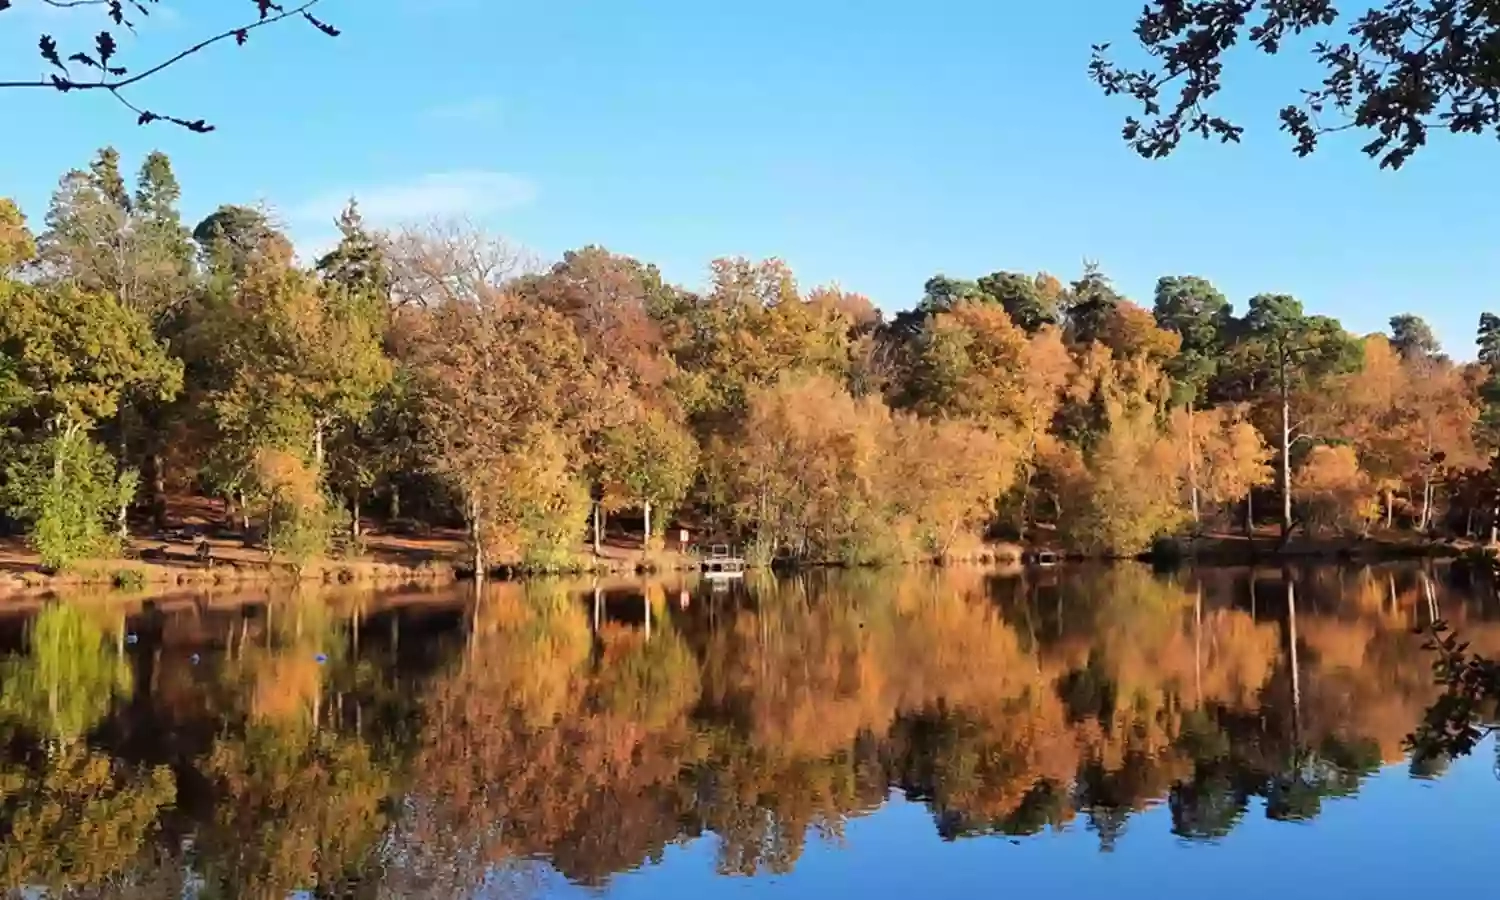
{"x":868,"y":142}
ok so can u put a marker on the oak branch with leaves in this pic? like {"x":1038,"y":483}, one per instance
{"x":1397,"y":71}
{"x":100,"y":68}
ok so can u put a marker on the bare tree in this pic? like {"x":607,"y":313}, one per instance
{"x":451,"y":260}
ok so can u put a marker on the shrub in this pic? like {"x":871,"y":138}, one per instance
{"x":66,"y":490}
{"x":300,"y":533}
{"x":128,"y":579}
{"x":550,"y":527}
{"x":300,"y":521}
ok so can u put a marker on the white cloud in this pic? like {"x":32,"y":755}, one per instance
{"x":474,"y":193}
{"x":477,"y":109}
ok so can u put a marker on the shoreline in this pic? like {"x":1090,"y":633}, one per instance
{"x":20,"y":578}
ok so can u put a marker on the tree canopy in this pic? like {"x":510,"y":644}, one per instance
{"x":1395,"y":71}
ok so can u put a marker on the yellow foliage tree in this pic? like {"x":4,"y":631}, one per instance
{"x":1221,"y":455}
{"x":818,"y":473}
{"x":1127,"y":493}
{"x":1334,"y":491}
{"x":506,"y":407}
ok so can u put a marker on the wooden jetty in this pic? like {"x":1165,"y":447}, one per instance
{"x":722,"y":563}
{"x":1043,"y":558}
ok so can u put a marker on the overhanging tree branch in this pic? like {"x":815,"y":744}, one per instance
{"x":1398,"y":70}
{"x":114,"y":78}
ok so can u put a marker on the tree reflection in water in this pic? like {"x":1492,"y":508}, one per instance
{"x":425,"y":746}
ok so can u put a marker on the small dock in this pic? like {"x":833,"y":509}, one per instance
{"x":722,"y":563}
{"x":1042,"y":558}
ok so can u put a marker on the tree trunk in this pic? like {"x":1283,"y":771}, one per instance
{"x":476,"y":532}
{"x":1426,"y":518}
{"x":354,"y":515}
{"x":598,"y":529}
{"x":1291,"y":617}
{"x":1198,"y":648}
{"x":1494,"y":515}
{"x":1193,"y":468}
{"x":1286,"y":457}
{"x":318,"y":448}
{"x":395,"y":502}
{"x":121,"y":526}
{"x":1390,"y":509}
{"x":646,"y":541}
{"x":1025,"y":523}
{"x":1250,"y":514}
{"x":158,"y":466}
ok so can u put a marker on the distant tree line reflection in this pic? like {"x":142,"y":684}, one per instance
{"x":311,"y":743}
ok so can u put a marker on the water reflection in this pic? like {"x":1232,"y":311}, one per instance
{"x":436,"y":744}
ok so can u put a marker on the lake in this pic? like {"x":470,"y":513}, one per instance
{"x":878,"y":734}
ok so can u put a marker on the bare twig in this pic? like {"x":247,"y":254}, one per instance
{"x":114,"y":79}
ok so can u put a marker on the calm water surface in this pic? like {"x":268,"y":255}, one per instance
{"x":936,"y":733}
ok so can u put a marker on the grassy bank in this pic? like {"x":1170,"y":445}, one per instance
{"x":1237,"y":549}
{"x":440,"y":557}
{"x":154,"y":564}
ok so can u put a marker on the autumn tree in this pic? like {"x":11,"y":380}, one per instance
{"x":1412,"y":418}
{"x":1223,"y":456}
{"x":858,"y":310}
{"x":1333,"y":489}
{"x":968,"y":363}
{"x":1131,"y":332}
{"x":1371,"y":404}
{"x":613,"y":302}
{"x":506,"y":390}
{"x":1444,"y":431}
{"x":1295,"y":350}
{"x":944,"y":477}
{"x":746,"y":332}
{"x":1396,"y":71}
{"x":17,"y":244}
{"x":1127,"y":491}
{"x":817,"y":473}
{"x":801,"y":474}
{"x":1199,"y":314}
{"x":648,"y":463}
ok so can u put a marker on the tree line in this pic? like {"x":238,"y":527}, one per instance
{"x":430,"y":374}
